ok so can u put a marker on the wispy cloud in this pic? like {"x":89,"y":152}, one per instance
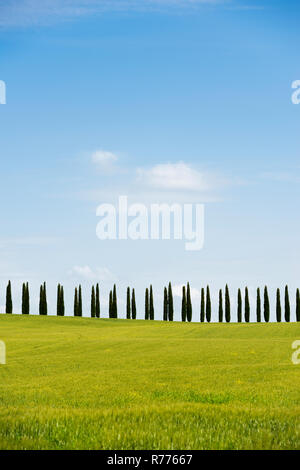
{"x":175,"y":176}
{"x":104,"y":160}
{"x":30,"y":12}
{"x":97,"y":274}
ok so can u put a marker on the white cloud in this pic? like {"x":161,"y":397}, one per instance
{"x":174,"y":176}
{"x":104,"y":160}
{"x":100,"y":274}
{"x":103,"y":157}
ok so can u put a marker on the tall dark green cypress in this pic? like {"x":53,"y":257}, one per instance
{"x":147,"y":304}
{"x":183,"y":305}
{"x":165,"y":313}
{"x":247,"y":306}
{"x":115,"y":302}
{"x":189,"y":308}
{"x":170,"y":303}
{"x":97,"y":301}
{"x":58,"y":301}
{"x":202,"y":305}
{"x":76,"y":303}
{"x":41,"y":301}
{"x":151,"y":307}
{"x":133,"y":305}
{"x":227,"y":304}
{"x":93,"y":303}
{"x":287,"y":307}
{"x":278,"y":306}
{"x":23,"y":298}
{"x":220,"y":306}
{"x":62,"y":301}
{"x":239,"y":306}
{"x":297,"y":305}
{"x":266,"y":305}
{"x":128,"y":305}
{"x":208,"y":305}
{"x":9,"y":305}
{"x":258,"y":306}
{"x":79,"y":301}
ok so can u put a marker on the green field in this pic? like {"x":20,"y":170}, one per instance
{"x":81,"y":383}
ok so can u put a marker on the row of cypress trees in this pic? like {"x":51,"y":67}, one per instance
{"x":205,"y":306}
{"x":224,"y":309}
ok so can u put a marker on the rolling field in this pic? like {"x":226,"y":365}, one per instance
{"x":81,"y":383}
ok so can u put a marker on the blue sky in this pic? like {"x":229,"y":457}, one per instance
{"x":157,"y":84}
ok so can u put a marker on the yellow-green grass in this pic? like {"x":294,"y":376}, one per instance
{"x":81,"y":383}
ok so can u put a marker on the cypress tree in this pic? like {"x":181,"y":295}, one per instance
{"x":115,"y":303}
{"x":93,"y":303}
{"x":62,"y":301}
{"x":128,"y":306}
{"x":58,"y":306}
{"x":147,"y":304}
{"x":97,"y":301}
{"x":9,"y":305}
{"x":297,"y":305}
{"x":23,"y":299}
{"x":79,"y":302}
{"x":239,"y":306}
{"x":227,"y":304}
{"x":202,"y":306}
{"x":170,"y":303}
{"x":165,"y":317}
{"x":266,"y":305}
{"x":247,"y":306}
{"x":183,"y":305}
{"x":76,"y":303}
{"x":278,"y":306}
{"x":220,"y":306}
{"x":133,"y":305}
{"x":208,"y":305}
{"x":189,"y":308}
{"x":258,"y":306}
{"x":287,"y":307}
{"x":151,"y":311}
{"x":41,"y":304}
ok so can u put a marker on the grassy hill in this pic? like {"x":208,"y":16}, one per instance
{"x":81,"y":383}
